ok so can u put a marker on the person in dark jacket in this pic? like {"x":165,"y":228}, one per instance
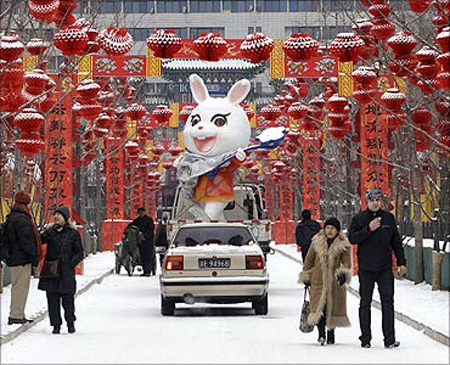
{"x":23,"y":255}
{"x":305,"y":231}
{"x":375,"y":232}
{"x":146,"y":248}
{"x":161,"y":241}
{"x":63,"y":244}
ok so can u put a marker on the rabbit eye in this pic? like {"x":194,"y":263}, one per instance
{"x":219,"y":119}
{"x":195,"y":119}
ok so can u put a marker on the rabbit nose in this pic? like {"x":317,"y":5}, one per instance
{"x":200,"y":127}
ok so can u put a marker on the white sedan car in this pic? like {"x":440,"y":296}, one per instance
{"x":214,"y":263}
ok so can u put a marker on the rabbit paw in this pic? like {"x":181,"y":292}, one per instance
{"x":240,"y":154}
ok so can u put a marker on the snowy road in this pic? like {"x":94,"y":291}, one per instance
{"x":119,"y":322}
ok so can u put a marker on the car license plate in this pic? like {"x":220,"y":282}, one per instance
{"x":214,"y":263}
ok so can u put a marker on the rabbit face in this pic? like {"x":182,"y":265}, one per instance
{"x":217,"y":125}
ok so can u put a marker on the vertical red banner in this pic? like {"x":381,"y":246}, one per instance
{"x":115,"y":197}
{"x":137,"y":191}
{"x":58,"y":155}
{"x":311,"y":175}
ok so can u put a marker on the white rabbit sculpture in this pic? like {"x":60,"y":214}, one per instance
{"x":216,"y":129}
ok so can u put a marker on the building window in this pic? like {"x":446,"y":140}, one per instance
{"x":314,"y":32}
{"x":172,"y":6}
{"x":303,"y":5}
{"x":195,"y":32}
{"x":201,"y":6}
{"x":338,"y":5}
{"x":139,"y":34}
{"x":137,"y":6}
{"x":332,"y":32}
{"x":109,"y":6}
{"x":252,"y":30}
{"x":273,"y":5}
{"x":238,"y":6}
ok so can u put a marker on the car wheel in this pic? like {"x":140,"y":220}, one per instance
{"x":118,"y":266}
{"x":167,"y":307}
{"x":261,"y":306}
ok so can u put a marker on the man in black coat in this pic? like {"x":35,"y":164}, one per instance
{"x":63,"y":244}
{"x":22,"y":238}
{"x":305,"y":231}
{"x":146,"y":248}
{"x":375,"y":232}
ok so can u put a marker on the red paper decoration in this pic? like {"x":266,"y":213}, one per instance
{"x":365,"y":80}
{"x":29,"y":120}
{"x":270,"y":112}
{"x":88,"y":90}
{"x":162,"y":114}
{"x":30,"y":145}
{"x":347,"y":47}
{"x":419,"y":6}
{"x":115,"y":41}
{"x":297,"y":110}
{"x":43,"y":11}
{"x":257,"y":47}
{"x":300,"y":47}
{"x":185,"y":112}
{"x":210,"y":46}
{"x":36,"y":46}
{"x":36,"y":81}
{"x":71,"y":41}
{"x":10,"y":47}
{"x":164,"y":43}
{"x":393,"y":101}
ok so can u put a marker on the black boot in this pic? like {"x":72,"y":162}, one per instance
{"x":321,"y":340}
{"x":71,"y":327}
{"x":56,"y":329}
{"x":330,"y":337}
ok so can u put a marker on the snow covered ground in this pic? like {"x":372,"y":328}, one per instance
{"x":119,"y":322}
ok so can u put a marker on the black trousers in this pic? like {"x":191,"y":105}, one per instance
{"x":54,"y":301}
{"x":322,"y":323}
{"x":146,"y":258}
{"x":385,"y":282}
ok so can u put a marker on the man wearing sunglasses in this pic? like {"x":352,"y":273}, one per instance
{"x":375,"y":232}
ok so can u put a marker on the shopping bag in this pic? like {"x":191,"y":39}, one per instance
{"x":304,"y":326}
{"x":50,"y":269}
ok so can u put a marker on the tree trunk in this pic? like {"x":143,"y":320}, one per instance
{"x":437,"y":259}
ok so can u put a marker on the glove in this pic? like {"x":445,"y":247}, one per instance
{"x":341,"y":279}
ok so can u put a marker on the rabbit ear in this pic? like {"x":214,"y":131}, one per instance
{"x":238,"y":91}
{"x":198,"y":88}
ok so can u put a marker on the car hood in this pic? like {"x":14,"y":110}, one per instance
{"x":216,"y":249}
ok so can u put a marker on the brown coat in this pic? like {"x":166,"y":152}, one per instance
{"x":321,"y":269}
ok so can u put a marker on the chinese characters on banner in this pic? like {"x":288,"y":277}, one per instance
{"x":311,"y":175}
{"x":58,"y":156}
{"x":136,"y":181}
{"x":115,"y":201}
{"x":374,"y":150}
{"x":286,"y":201}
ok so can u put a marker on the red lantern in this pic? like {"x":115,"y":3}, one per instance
{"x":29,"y":145}
{"x":403,"y":66}
{"x":297,"y":110}
{"x":132,"y":148}
{"x":382,"y":29}
{"x":157,"y":150}
{"x":29,"y":120}
{"x":162,"y":114}
{"x":10,"y":47}
{"x":175,"y":150}
{"x":337,"y":104}
{"x":164,"y":43}
{"x":393,"y":99}
{"x":167,"y":164}
{"x":88,"y":90}
{"x":100,"y":132}
{"x":419,"y":6}
{"x":185,"y":112}
{"x":402,"y":43}
{"x":115,"y":41}
{"x":136,"y":111}
{"x":210,"y":46}
{"x":421,"y":116}
{"x":347,"y":47}
{"x":71,"y":41}
{"x":270,"y":112}
{"x":380,"y":10}
{"x":36,"y":80}
{"x":249,"y":112}
{"x":104,"y":121}
{"x":257,"y":47}
{"x":443,"y":39}
{"x":90,"y":111}
{"x":36,"y":46}
{"x":300,"y":47}
{"x":43,"y":11}
{"x":11,"y":75}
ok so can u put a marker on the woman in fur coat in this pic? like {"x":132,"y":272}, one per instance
{"x":327,"y":269}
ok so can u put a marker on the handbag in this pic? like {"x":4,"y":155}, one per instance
{"x":50,"y":269}
{"x":304,"y":326}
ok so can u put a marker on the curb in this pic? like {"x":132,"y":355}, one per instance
{"x":428,"y":331}
{"x":42,"y":314}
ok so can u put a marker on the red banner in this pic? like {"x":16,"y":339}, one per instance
{"x":311,"y":175}
{"x":58,"y":155}
{"x":314,"y":68}
{"x":137,"y":189}
{"x":115,"y":198}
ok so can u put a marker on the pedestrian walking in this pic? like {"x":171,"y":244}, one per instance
{"x":146,"y":248}
{"x":305,"y":231}
{"x":375,"y":232}
{"x":326,"y":270}
{"x":64,"y":248}
{"x":22,"y":255}
{"x":161,"y":241}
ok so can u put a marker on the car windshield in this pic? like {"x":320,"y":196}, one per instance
{"x":193,"y":236}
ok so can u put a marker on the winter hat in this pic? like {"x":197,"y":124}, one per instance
{"x":64,"y":211}
{"x":374,"y":193}
{"x":333,"y":222}
{"x":22,"y":198}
